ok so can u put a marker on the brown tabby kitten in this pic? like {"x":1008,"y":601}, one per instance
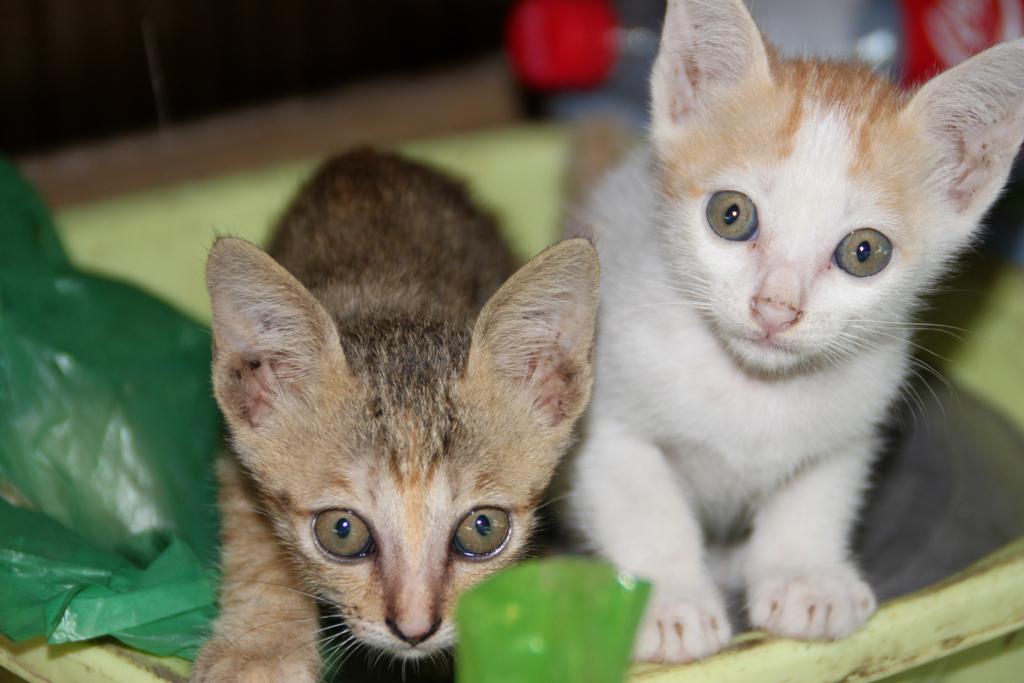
{"x":395,"y":421}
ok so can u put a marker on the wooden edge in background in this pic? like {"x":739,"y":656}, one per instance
{"x":470,"y":96}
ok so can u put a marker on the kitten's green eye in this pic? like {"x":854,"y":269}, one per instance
{"x":732,"y":215}
{"x":482,"y":533}
{"x":863,"y":252}
{"x":343,"y":534}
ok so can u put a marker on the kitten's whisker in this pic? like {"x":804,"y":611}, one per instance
{"x":331,"y":627}
{"x":923,"y":365}
{"x":336,"y":655}
{"x":287,"y":620}
{"x":690,"y":286}
{"x":275,"y":585}
{"x":956,"y":333}
{"x":317,"y":640}
{"x":328,"y":669}
{"x":913,"y":324}
{"x":838,"y":355}
{"x":907,"y":391}
{"x":549,"y":501}
{"x":347,"y":653}
{"x":917,"y":402}
{"x":661,"y":304}
{"x":380,"y":654}
{"x":908,"y":340}
{"x":446,"y":662}
{"x":931,"y":390}
{"x":930,"y":369}
{"x":854,"y":345}
{"x":695,"y":292}
{"x":920,"y":399}
{"x":327,"y":650}
{"x":697,"y":306}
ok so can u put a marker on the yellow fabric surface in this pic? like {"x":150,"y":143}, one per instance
{"x":158,"y":239}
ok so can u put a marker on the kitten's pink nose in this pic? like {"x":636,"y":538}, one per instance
{"x":413,"y":630}
{"x":776,"y":305}
{"x":773,"y":316}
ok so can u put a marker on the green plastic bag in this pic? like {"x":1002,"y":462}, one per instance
{"x":108,"y":429}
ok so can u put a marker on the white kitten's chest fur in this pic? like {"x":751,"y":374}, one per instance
{"x":731,"y":436}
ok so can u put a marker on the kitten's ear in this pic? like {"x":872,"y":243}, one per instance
{"x":537,"y":331}
{"x":706,"y":46}
{"x":973,"y":120}
{"x":270,"y":335}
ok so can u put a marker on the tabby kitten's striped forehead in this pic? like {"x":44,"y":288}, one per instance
{"x":409,"y":369}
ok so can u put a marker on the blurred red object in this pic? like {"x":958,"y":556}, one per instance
{"x":561,"y":44}
{"x":942,"y":33}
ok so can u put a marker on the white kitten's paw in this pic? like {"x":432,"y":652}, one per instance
{"x":221,"y":661}
{"x":814,"y":605}
{"x":681,"y":626}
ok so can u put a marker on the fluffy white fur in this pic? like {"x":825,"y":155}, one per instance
{"x":699,"y":426}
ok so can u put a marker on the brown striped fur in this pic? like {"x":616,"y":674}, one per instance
{"x":377,"y":364}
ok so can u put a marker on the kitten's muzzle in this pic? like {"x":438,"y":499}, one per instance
{"x":412,"y":638}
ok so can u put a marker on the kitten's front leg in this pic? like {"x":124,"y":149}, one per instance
{"x":801,"y":581}
{"x":626,"y":499}
{"x":267,"y":628}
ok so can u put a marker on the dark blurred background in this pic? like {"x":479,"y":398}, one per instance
{"x":158,"y":91}
{"x":78,"y":70}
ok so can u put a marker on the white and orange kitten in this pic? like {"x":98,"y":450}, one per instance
{"x":759,"y":263}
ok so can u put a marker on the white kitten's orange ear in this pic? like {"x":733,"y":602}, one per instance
{"x":706,"y":46}
{"x":270,"y":335}
{"x":973,"y":120}
{"x":537,"y":331}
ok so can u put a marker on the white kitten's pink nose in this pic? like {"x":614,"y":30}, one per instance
{"x":777,"y":305}
{"x":773,"y":317}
